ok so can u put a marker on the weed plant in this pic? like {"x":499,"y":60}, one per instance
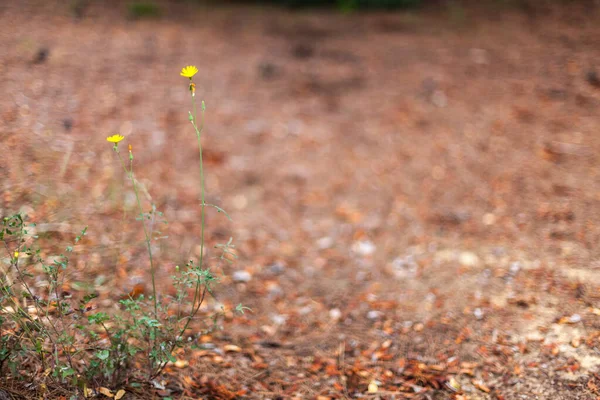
{"x":48,"y":335}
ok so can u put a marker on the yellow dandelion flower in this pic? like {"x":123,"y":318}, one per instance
{"x":115,"y":138}
{"x":189,"y":71}
{"x":16,"y":254}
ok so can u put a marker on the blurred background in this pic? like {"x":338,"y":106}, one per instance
{"x":439,"y":155}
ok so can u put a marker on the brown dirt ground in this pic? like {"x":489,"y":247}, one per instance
{"x":414,"y":195}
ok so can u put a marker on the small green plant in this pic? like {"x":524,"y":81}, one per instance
{"x":349,"y":5}
{"x":32,"y":321}
{"x":69,"y":340}
{"x":143,"y":9}
{"x":456,"y":13}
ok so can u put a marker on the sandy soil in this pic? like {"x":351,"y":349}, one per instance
{"x":414,"y":196}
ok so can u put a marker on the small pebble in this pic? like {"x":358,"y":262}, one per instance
{"x":363,"y":247}
{"x":468,"y":259}
{"x":405,"y":267}
{"x":325,"y":243}
{"x":335,"y":314}
{"x":373,"y":314}
{"x":277,"y":268}
{"x":241,"y":276}
{"x":515,"y":267}
{"x":305,"y":310}
{"x":279,"y":319}
{"x":575,"y":318}
{"x":478,"y":313}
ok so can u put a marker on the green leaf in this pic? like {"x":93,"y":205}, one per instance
{"x":103,"y":354}
{"x":219,"y":209}
{"x":98,"y":317}
{"x":67,"y":372}
{"x":240,"y":308}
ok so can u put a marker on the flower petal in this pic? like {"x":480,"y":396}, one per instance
{"x":189,"y":71}
{"x":115,"y":138}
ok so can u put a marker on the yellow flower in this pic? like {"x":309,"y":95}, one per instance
{"x":189,"y":71}
{"x":115,"y":138}
{"x":16,"y":254}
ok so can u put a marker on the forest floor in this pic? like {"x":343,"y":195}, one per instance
{"x":414,"y":195}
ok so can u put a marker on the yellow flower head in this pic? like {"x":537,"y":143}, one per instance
{"x":16,"y":254}
{"x":115,"y":138}
{"x":189,"y":71}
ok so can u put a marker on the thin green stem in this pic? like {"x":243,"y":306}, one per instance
{"x":22,"y":313}
{"x":148,"y":243}
{"x":202,"y":195}
{"x":202,"y":215}
{"x":199,"y":295}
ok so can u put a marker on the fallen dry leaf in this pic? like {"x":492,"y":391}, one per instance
{"x":373,"y":388}
{"x":106,"y":392}
{"x":453,"y":385}
{"x":481,"y":386}
{"x":181,"y":363}
{"x":232,"y":348}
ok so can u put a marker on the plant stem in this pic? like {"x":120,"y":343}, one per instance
{"x":148,"y":244}
{"x":25,"y":314}
{"x":198,"y":294}
{"x":202,"y":196}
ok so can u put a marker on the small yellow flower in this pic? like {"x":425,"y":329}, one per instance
{"x":16,"y":254}
{"x":189,"y":71}
{"x":115,"y":138}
